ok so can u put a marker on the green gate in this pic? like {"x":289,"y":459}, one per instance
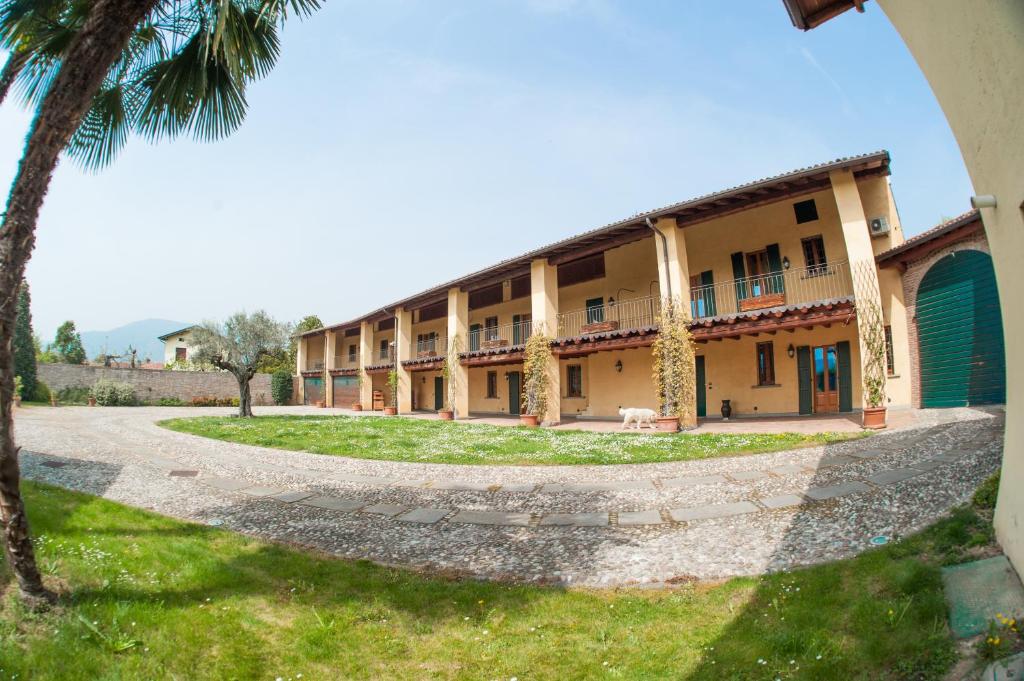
{"x":312,"y":390}
{"x":960,"y":333}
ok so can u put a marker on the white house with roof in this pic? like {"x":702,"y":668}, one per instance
{"x":178,"y":345}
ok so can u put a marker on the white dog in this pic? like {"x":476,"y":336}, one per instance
{"x":639,"y":416}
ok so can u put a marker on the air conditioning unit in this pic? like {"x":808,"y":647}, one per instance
{"x":878,"y":226}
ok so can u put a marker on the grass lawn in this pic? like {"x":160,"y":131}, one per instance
{"x":399,"y":439}
{"x":149,"y":597}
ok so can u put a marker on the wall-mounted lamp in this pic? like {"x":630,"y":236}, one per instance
{"x":791,"y":351}
{"x":618,"y":366}
{"x":785,"y":262}
{"x":983,"y":201}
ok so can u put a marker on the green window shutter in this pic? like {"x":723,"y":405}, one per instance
{"x":845,"y":376}
{"x":739,"y":273}
{"x":702,"y":396}
{"x":517,"y":336}
{"x":708,"y":279}
{"x":474,"y":337}
{"x":803,"y":378}
{"x":776,"y":284}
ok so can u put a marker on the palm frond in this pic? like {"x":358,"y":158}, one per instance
{"x":104,"y":129}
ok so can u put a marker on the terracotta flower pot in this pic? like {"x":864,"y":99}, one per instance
{"x":390,"y":411}
{"x":668,"y":424}
{"x":92,"y":401}
{"x":319,"y":404}
{"x":446,"y":414}
{"x":874,"y":418}
{"x":356,"y":406}
{"x":529,"y":420}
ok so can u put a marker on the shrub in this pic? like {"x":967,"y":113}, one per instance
{"x":985,"y":496}
{"x":536,"y":357}
{"x":281,"y":386}
{"x":169,"y":402}
{"x":674,"y":366}
{"x":113,"y":394}
{"x":18,"y":386}
{"x":73,"y":395}
{"x":211,"y":401}
{"x":42,"y":393}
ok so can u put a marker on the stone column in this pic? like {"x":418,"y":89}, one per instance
{"x":403,"y":351}
{"x":544,"y":307}
{"x":329,"y":342}
{"x":673,"y":270}
{"x":300,"y":366}
{"x":458,"y":332}
{"x":861,"y":256}
{"x":365,"y":360}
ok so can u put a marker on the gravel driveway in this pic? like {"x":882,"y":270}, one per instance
{"x":590,"y":525}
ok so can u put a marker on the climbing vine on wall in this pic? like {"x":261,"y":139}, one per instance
{"x":675,"y":362}
{"x":536,"y":362}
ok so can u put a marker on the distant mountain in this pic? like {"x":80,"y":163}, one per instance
{"x":141,"y":335}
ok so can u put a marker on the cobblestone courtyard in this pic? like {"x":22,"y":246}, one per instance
{"x":590,"y":525}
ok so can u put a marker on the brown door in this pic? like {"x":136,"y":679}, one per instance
{"x":826,"y":379}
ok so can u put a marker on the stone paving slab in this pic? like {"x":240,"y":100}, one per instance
{"x":927,"y":465}
{"x":491,"y":518}
{"x":467,"y":486}
{"x":783,"y":501}
{"x":425,"y":516}
{"x":893,"y":475}
{"x":748,"y":475}
{"x":867,"y":453}
{"x":631,"y":518}
{"x":262,"y":491}
{"x":788,"y":469}
{"x":612,"y":486}
{"x":226,"y":484}
{"x":577,"y":519}
{"x":712,"y":511}
{"x":334,"y":503}
{"x":388,"y":510}
{"x":292,"y":497}
{"x":833,"y":491}
{"x":693,"y":480}
{"x":837,"y":460}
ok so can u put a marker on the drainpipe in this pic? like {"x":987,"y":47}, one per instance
{"x":664,"y":255}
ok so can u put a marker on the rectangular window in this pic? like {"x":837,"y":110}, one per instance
{"x":520,"y":287}
{"x":890,"y":359}
{"x":383,"y":349}
{"x":484,"y":297}
{"x":806,"y":211}
{"x":385,"y":324}
{"x":765,"y":364}
{"x":180,"y":354}
{"x":352,"y":332}
{"x":579,"y":271}
{"x":492,"y":385}
{"x":758,"y":269}
{"x":574,"y":380}
{"x":352,"y":353}
{"x":490,"y":328}
{"x":595,"y":310}
{"x":814,"y":255}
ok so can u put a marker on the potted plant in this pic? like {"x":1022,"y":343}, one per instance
{"x":675,"y":369}
{"x":18,"y":385}
{"x":393,"y":385}
{"x":536,"y":381}
{"x":451,"y":376}
{"x":874,"y":374}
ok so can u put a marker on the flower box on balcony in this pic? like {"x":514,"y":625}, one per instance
{"x":600,"y":327}
{"x":426,"y":353}
{"x":493,"y":343}
{"x":761,"y":302}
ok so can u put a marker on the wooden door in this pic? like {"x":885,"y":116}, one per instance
{"x":702,"y":396}
{"x":515,"y":383}
{"x":826,"y":379}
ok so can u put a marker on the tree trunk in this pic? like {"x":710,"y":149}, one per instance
{"x":15,"y":62}
{"x":244,"y":394}
{"x":89,"y":57}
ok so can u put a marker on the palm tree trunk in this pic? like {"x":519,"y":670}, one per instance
{"x":15,"y":62}
{"x":89,"y":57}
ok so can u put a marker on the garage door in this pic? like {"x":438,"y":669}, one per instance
{"x":346,"y":391}
{"x":960,"y":333}
{"x":312,"y":390}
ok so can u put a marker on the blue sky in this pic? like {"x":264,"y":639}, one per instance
{"x":399,"y":144}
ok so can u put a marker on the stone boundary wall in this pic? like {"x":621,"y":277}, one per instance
{"x":152,"y":384}
{"x":916,"y":270}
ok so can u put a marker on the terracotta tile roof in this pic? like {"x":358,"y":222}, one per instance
{"x":960,"y":221}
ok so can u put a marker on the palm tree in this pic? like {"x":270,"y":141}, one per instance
{"x":95,"y":71}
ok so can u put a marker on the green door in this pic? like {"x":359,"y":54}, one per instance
{"x":312,"y":390}
{"x":438,"y":392}
{"x":702,"y":395}
{"x":515,"y":382}
{"x":960,"y":333}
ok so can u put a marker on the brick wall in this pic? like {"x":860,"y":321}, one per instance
{"x":911,"y":282}
{"x":152,"y":384}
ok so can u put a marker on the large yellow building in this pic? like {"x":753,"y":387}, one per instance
{"x":774,"y":273}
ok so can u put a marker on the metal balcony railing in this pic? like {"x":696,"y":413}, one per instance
{"x":788,"y":287}
{"x":634,"y":313}
{"x":435,"y":346}
{"x":506,"y":335}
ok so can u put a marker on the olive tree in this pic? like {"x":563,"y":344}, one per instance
{"x":238,"y":345}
